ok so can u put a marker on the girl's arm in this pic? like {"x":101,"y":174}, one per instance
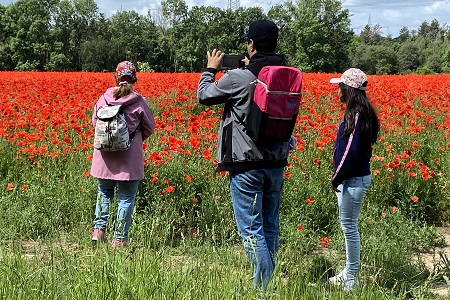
{"x":346,"y":155}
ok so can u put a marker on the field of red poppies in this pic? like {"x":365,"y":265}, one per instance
{"x":45,"y":117}
{"x":46,"y":146}
{"x":47,"y":114}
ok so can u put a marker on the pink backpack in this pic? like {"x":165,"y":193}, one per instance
{"x":275,"y":105}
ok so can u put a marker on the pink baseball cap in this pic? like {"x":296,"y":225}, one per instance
{"x":353,"y":77}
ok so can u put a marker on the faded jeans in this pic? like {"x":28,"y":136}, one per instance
{"x":350,"y":201}
{"x":256,"y":202}
{"x":126,"y":194}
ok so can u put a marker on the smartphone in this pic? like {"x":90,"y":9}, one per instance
{"x":233,"y":61}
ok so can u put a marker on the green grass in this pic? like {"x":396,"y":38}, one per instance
{"x":60,"y":269}
{"x":186,"y":249}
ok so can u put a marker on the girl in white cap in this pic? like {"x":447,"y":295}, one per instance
{"x":357,"y":132}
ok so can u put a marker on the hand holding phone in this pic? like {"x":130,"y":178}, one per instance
{"x":214,"y":58}
{"x":233,"y":61}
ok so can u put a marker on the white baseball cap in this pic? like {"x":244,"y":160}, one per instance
{"x":353,"y":77}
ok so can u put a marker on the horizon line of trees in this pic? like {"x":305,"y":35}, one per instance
{"x":315,"y":36}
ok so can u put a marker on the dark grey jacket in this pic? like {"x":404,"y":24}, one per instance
{"x":236,"y":150}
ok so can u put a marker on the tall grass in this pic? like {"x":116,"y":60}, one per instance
{"x":184,"y":243}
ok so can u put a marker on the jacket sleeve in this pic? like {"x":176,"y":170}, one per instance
{"x":210,"y":92}
{"x":346,"y":154}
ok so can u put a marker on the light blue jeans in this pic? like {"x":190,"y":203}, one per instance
{"x":350,"y":201}
{"x":126,"y":194}
{"x":256,"y":202}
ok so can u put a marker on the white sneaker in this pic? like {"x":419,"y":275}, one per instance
{"x":338,"y":279}
{"x":347,"y":281}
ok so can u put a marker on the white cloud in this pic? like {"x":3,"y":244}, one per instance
{"x":438,"y":5}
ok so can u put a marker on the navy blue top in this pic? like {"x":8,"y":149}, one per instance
{"x":352,"y":154}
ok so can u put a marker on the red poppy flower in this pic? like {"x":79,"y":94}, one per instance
{"x":309,"y":200}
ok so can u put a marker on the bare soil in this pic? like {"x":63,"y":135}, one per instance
{"x":435,"y":261}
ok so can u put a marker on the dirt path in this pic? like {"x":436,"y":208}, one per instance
{"x":433,"y":261}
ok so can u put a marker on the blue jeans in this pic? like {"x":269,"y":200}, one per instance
{"x":126,"y":194}
{"x":256,"y":202}
{"x":350,"y":201}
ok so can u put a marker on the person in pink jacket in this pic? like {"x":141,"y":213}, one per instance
{"x":121,"y":171}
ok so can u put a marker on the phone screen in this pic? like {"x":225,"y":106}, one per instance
{"x":233,"y":61}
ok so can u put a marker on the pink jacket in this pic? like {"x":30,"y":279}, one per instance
{"x":128,"y":164}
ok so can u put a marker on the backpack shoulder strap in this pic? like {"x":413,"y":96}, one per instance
{"x":106,"y":100}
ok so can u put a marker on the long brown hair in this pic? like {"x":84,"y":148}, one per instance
{"x":357,"y":102}
{"x":123,"y":89}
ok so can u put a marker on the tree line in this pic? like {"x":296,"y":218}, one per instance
{"x":315,"y":36}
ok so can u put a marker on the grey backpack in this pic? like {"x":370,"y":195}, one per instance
{"x":111,"y":130}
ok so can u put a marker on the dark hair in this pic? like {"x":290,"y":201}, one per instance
{"x":266,"y":44}
{"x":357,"y":102}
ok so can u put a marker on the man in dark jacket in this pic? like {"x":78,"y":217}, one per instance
{"x":256,"y":170}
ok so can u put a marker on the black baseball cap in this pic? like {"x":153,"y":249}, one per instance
{"x":262,"y":31}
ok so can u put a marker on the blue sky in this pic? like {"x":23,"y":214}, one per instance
{"x":391,"y":15}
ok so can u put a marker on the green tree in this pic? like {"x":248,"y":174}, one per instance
{"x":173,"y":14}
{"x":371,"y":34}
{"x":362,"y":59}
{"x":403,"y":35}
{"x":435,"y":30}
{"x":375,"y":59}
{"x":446,"y":57}
{"x":386,"y":60}
{"x":434,"y":56}
{"x":29,"y":25}
{"x":202,"y":27}
{"x":72,"y":35}
{"x":63,"y":52}
{"x":97,"y":55}
{"x":424,"y":30}
{"x":5,"y":51}
{"x":97,"y":48}
{"x":58,"y":61}
{"x":322,"y":31}
{"x":132,"y":36}
{"x":86,"y":20}
{"x":434,"y":63}
{"x":283,"y":15}
{"x":431,"y":54}
{"x":408,"y":58}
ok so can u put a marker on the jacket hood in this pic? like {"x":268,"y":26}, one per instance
{"x":131,"y":98}
{"x":260,"y":60}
